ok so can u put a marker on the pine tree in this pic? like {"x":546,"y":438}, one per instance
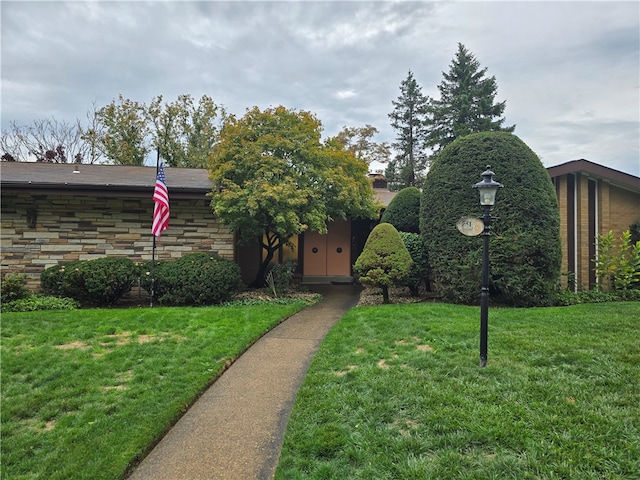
{"x":408,"y":119}
{"x":467,"y":103}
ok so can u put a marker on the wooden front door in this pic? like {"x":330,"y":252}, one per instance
{"x":328,"y":254}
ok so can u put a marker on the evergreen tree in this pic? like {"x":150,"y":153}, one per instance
{"x":526,"y":249}
{"x":408,"y":119}
{"x":467,"y":103}
{"x":384,"y":261}
{"x":403,"y":212}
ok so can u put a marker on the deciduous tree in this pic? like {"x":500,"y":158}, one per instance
{"x":45,"y":140}
{"x":275,"y":179}
{"x":185,"y":132}
{"x":360,"y":141}
{"x":124,"y":138}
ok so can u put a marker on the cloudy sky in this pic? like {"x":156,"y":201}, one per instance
{"x":569,"y":71}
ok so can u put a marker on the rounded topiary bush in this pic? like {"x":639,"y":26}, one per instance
{"x":403,"y":211}
{"x":384,"y":261}
{"x":525,"y":246}
{"x":195,"y":279}
{"x":98,"y":282}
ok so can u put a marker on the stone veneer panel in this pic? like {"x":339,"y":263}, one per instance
{"x":82,"y":228}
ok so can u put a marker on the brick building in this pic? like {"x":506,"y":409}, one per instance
{"x":593,"y":199}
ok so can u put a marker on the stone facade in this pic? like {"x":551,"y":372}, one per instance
{"x":42,"y":230}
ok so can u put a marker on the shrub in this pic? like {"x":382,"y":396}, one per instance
{"x":403,"y":211}
{"x":595,"y":295}
{"x":385,"y":261}
{"x":634,"y":229}
{"x":618,"y":266}
{"x":420,"y":268}
{"x":280,"y":276}
{"x":60,"y":279}
{"x":40,"y":302}
{"x":13,"y":288}
{"x":98,"y":282}
{"x":525,"y":250}
{"x":195,"y":279}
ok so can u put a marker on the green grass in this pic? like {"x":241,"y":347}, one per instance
{"x":395,"y":392}
{"x":86,"y":393}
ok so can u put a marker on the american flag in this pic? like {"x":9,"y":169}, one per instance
{"x":161,"y":208}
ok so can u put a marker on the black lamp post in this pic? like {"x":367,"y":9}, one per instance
{"x":487,"y":189}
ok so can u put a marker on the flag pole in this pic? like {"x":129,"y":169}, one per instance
{"x":153,"y":251}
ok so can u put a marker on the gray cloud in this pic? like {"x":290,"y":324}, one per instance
{"x":569,"y":71}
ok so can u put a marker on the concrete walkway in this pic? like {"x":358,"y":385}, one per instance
{"x":236,"y":429}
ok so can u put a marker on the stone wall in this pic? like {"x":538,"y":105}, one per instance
{"x":42,"y":230}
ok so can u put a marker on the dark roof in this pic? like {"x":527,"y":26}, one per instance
{"x":101,"y":179}
{"x":615,"y":177}
{"x":111,"y":180}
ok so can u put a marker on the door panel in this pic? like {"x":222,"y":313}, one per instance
{"x":328,"y":254}
{"x":315,"y":254}
{"x":339,"y":248}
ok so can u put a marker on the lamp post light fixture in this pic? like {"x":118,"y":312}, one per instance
{"x":487,"y":189}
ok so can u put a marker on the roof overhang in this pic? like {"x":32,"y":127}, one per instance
{"x":100,"y":180}
{"x":596,"y":171}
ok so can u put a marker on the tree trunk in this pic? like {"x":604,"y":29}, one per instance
{"x":385,"y":295}
{"x":271,"y":242}
{"x":260,"y":282}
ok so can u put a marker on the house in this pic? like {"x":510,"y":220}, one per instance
{"x":54,"y":213}
{"x":593,"y":200}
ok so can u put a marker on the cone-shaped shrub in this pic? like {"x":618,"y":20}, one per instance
{"x":385,"y":261}
{"x":525,"y":248}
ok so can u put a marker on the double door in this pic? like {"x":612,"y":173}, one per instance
{"x":328,"y":254}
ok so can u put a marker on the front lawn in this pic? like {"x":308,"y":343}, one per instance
{"x":87,"y":392}
{"x":395,"y":392}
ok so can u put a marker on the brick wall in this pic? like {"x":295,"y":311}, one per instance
{"x":617,"y":209}
{"x":561,"y":192}
{"x":624,"y":210}
{"x":82,"y":228}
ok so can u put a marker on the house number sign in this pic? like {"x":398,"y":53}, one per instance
{"x":470,"y":226}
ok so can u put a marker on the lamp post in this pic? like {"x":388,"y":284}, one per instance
{"x":487,"y":189}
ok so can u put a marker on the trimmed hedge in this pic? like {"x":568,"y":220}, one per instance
{"x":194,"y":279}
{"x":403,"y":211}
{"x":525,"y":247}
{"x":99,"y":282}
